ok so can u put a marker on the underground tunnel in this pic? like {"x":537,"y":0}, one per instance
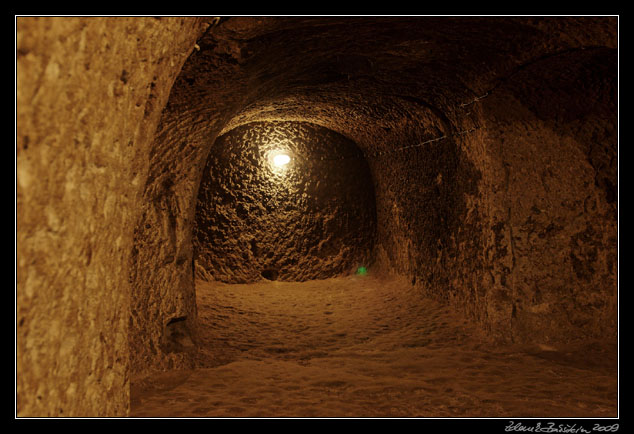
{"x":287,"y":201}
{"x":317,"y":216}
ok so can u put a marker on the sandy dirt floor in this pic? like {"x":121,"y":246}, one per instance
{"x":362,"y":347}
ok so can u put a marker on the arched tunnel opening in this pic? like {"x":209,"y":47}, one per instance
{"x":308,"y":216}
{"x":317,"y":216}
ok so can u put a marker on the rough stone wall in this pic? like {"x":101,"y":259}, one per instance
{"x":89,"y":95}
{"x":515,"y":223}
{"x":312,"y":219}
{"x":162,"y":329}
{"x":552,"y":134}
{"x":430,"y":208}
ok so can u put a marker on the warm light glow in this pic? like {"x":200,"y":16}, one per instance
{"x":281,"y":160}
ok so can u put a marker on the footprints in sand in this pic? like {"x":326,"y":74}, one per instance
{"x":353,"y":347}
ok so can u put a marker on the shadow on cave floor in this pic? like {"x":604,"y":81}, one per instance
{"x":362,"y":347}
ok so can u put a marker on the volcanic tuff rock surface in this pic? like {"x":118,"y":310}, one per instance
{"x":310,"y":219}
{"x":506,"y":211}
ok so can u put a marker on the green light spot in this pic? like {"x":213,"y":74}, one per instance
{"x":362,"y":271}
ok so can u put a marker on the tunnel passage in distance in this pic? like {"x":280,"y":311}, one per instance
{"x":285,"y":201}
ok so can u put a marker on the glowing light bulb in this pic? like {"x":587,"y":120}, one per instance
{"x":281,"y":160}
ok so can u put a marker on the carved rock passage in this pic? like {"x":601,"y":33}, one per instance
{"x":453,"y":215}
{"x":512,"y":225}
{"x":311,"y":219}
{"x":89,"y":97}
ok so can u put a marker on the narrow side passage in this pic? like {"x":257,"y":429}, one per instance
{"x":359,"y":346}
